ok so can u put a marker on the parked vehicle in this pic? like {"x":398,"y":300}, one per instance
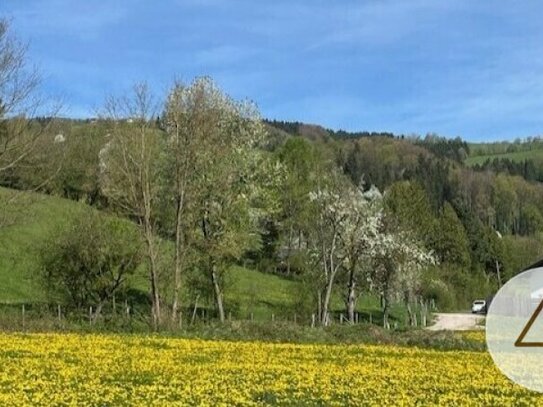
{"x":478,"y":307}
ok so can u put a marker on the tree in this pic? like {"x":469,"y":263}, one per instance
{"x":183,"y":116}
{"x":399,"y":259}
{"x":300,"y":160}
{"x":89,"y":262}
{"x":506,"y":203}
{"x":130,"y":165}
{"x":20,"y":131}
{"x":531,"y":220}
{"x":451,"y":242}
{"x":331,"y":214}
{"x":408,"y":203}
{"x":20,"y":102}
{"x":227,"y":172}
{"x":364,"y":219}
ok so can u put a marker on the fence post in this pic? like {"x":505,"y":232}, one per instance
{"x":251,"y":317}
{"x":273,"y":318}
{"x":312,"y":320}
{"x":295,"y":321}
{"x":90,"y":314}
{"x":371,"y":318}
{"x":24,"y":324}
{"x":230,"y":315}
{"x":59,"y":313}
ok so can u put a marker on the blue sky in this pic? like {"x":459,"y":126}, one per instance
{"x":455,"y":67}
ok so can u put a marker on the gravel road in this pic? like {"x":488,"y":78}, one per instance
{"x":457,"y":322}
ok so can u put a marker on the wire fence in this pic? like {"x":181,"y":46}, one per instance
{"x":125,"y":316}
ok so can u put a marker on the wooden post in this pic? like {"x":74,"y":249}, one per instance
{"x":230,"y":315}
{"x":273,"y":318}
{"x":341,"y":318}
{"x":24,"y":322}
{"x":371,"y":318}
{"x":59,"y":313}
{"x":90,"y":314}
{"x":312,"y":320}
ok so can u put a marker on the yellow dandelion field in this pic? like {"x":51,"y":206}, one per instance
{"x":116,"y":370}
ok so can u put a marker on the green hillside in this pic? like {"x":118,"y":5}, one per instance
{"x":34,"y":217}
{"x":535,"y":154}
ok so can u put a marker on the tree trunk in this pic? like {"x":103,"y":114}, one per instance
{"x":289,"y":249}
{"x":498,"y":274}
{"x":155,"y":297}
{"x":351,"y":297}
{"x":411,"y":317}
{"x":319,"y":305}
{"x":386,"y":306}
{"x":97,"y":312}
{"x":325,"y":321}
{"x":218,"y":292}
{"x":178,"y":258}
{"x":386,"y":311}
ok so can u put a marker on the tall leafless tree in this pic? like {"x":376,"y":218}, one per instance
{"x":130,"y":171}
{"x":20,"y":104}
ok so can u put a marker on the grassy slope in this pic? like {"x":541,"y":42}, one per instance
{"x":31,"y":218}
{"x":536,"y":154}
{"x":34,"y":217}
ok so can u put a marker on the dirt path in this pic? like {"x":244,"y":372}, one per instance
{"x":457,"y":322}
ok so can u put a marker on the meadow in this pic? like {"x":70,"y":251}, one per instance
{"x":107,"y":370}
{"x":517,"y":152}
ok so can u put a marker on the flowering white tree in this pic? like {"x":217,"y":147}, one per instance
{"x":346,"y":231}
{"x":399,"y":262}
{"x":352,"y":233}
{"x":360,"y":241}
{"x":332,"y":215}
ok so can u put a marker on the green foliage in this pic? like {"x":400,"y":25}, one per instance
{"x":531,"y":220}
{"x":89,"y":262}
{"x":455,"y":149}
{"x":450,"y":240}
{"x":409,"y":204}
{"x":520,"y":252}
